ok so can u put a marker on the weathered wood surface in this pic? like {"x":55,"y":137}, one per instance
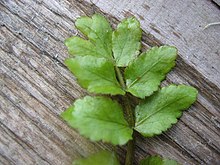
{"x":36,"y":86}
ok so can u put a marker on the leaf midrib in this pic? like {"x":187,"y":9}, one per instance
{"x":105,"y":78}
{"x":104,"y":46}
{"x":90,"y":49}
{"x":122,"y":48}
{"x":161,"y":108}
{"x":108,"y":121}
{"x":142,"y":75}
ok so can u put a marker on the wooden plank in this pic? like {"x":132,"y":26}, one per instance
{"x":179,"y":23}
{"x":217,"y":2}
{"x":36,"y":86}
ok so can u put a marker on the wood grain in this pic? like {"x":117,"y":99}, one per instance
{"x":36,"y":86}
{"x":179,"y":23}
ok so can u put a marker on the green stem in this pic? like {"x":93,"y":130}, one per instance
{"x":120,"y":77}
{"x":131,"y":144}
{"x":130,"y":152}
{"x":130,"y":118}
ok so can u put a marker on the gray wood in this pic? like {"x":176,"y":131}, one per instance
{"x":179,"y":23}
{"x":217,"y":2}
{"x":36,"y":86}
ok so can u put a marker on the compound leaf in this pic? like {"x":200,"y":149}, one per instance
{"x":99,"y":32}
{"x":126,"y":41}
{"x":158,"y":112}
{"x":99,"y":118}
{"x":100,"y":158}
{"x":95,"y":74}
{"x":144,"y":75}
{"x":157,"y":160}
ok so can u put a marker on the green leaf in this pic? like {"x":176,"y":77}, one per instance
{"x":156,"y":160}
{"x":100,"y":158}
{"x":126,"y":41}
{"x":144,"y":75}
{"x":99,"y":118}
{"x":99,"y":32}
{"x":79,"y":47}
{"x":95,"y":74}
{"x":158,"y":112}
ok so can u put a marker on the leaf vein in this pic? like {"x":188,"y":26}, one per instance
{"x":145,"y":72}
{"x":161,"y":108}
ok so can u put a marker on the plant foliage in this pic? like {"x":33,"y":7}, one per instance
{"x":108,"y":62}
{"x":156,"y":160}
{"x":99,"y":118}
{"x":100,"y":158}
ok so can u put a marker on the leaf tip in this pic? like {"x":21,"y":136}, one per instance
{"x":67,"y":114}
{"x":67,"y":61}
